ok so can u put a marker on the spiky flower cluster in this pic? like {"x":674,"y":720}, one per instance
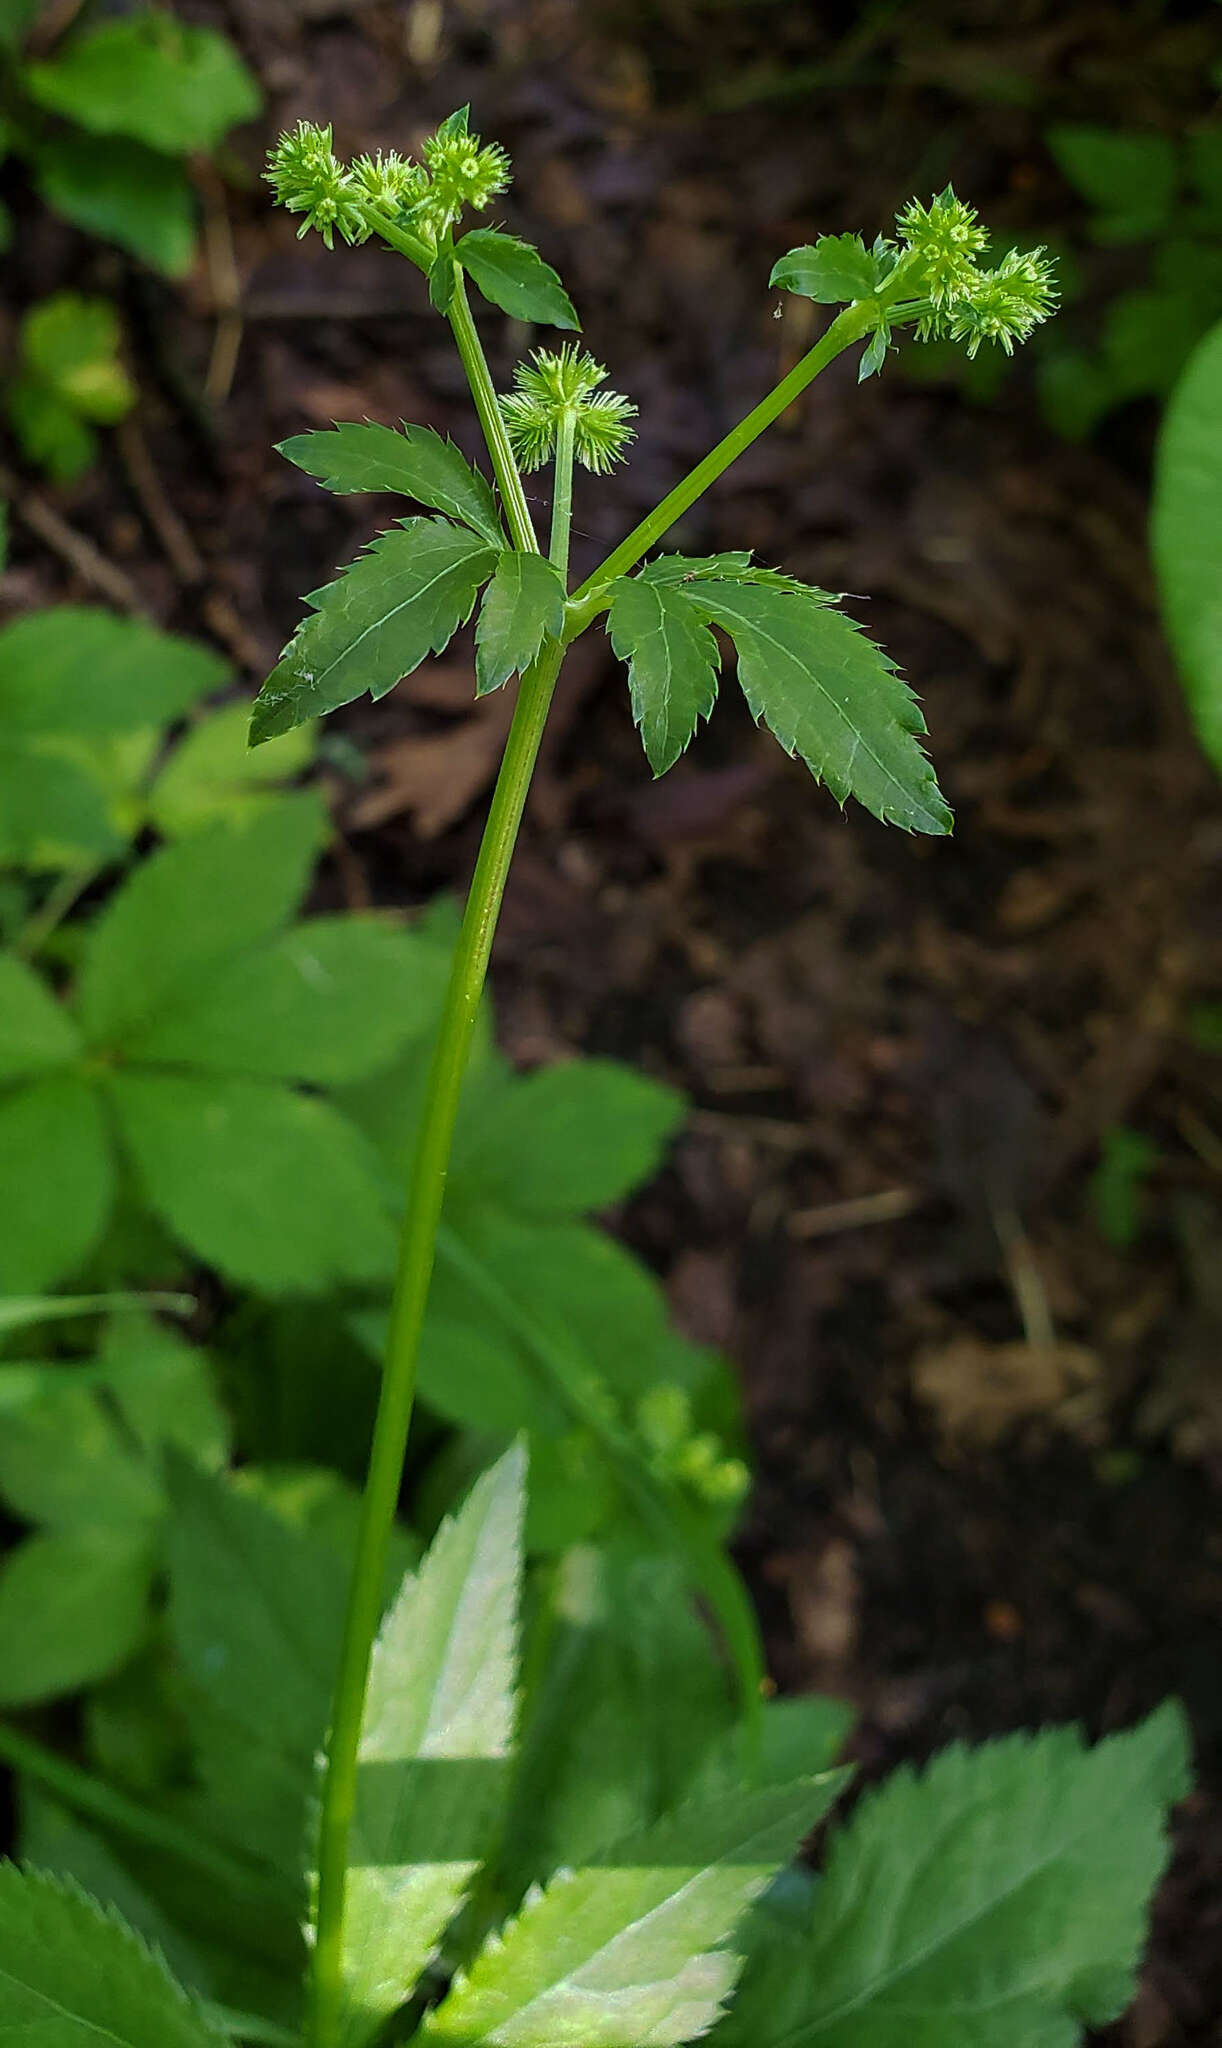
{"x":463,"y":171}
{"x":956,"y":297}
{"x":554,"y":384}
{"x":458,"y":171}
{"x":307,"y":177}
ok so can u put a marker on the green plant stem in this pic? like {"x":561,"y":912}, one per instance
{"x":852,"y":325}
{"x":82,"y":1793}
{"x":562,"y":492}
{"x":416,"y":1256}
{"x":513,"y":497}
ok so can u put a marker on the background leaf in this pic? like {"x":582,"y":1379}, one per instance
{"x":151,"y":78}
{"x":330,"y":1000}
{"x":565,"y":1140}
{"x":134,"y":197}
{"x":191,"y":905}
{"x":996,"y":1900}
{"x":36,"y":1032}
{"x":513,"y":276}
{"x":523,"y":602}
{"x":414,"y":461}
{"x":71,"y":1975}
{"x":275,"y":1189}
{"x":56,"y":1181}
{"x":1187,"y":520}
{"x":213,"y":776}
{"x":73,"y":1607}
{"x":76,"y":669}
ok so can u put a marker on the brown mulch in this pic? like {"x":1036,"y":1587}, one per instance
{"x":989,"y":1443}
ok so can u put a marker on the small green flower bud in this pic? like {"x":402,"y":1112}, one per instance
{"x":560,"y":382}
{"x":388,"y":180}
{"x":307,"y":177}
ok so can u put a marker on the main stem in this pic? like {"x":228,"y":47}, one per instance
{"x":426,"y":1193}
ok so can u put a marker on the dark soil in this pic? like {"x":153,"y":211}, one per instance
{"x":989,"y":1443}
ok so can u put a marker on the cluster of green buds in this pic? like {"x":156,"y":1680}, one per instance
{"x":458,"y":171}
{"x":960,"y":300}
{"x":562,"y":386}
{"x":694,"y":1459}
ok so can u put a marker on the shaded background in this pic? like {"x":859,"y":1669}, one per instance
{"x":989,"y":1440}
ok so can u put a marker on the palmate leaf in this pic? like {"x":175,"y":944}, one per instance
{"x":329,"y":1001}
{"x":401,"y":600}
{"x":434,"y":1749}
{"x":673,"y":661}
{"x":274,"y":1188}
{"x":189,"y":907}
{"x":414,"y":461}
{"x":828,"y":693}
{"x":122,"y":192}
{"x":523,"y":602}
{"x":513,"y":276}
{"x":72,"y":1976}
{"x":631,"y":1948}
{"x":995,"y":1901}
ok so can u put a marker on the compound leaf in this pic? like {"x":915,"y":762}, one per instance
{"x":565,"y":1140}
{"x":72,"y":1975}
{"x":828,"y":693}
{"x":513,"y":275}
{"x":149,"y":77}
{"x":56,"y":1181}
{"x":523,"y":602}
{"x":330,"y":1000}
{"x":630,"y":1948}
{"x":673,"y":661}
{"x":78,"y":670}
{"x":833,"y":271}
{"x":434,"y":1749}
{"x":995,"y":1901}
{"x":414,"y":461}
{"x":1187,"y":520}
{"x":73,"y":1608}
{"x":401,"y":600}
{"x":123,"y":192}
{"x":36,"y":1032}
{"x":191,"y":905}
{"x":275,"y":1189}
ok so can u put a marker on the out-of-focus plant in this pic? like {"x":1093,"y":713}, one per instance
{"x":1187,"y":535}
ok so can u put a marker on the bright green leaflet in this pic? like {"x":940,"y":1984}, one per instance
{"x":829,"y":694}
{"x":833,"y":271}
{"x":401,"y":600}
{"x":414,"y":461}
{"x":514,"y":277}
{"x":1186,"y":535}
{"x":439,"y":1720}
{"x":631,"y":1947}
{"x":673,"y":661}
{"x":994,"y":1901}
{"x":273,"y":1187}
{"x":56,"y":1181}
{"x":522,"y":604}
{"x":71,"y":1976}
{"x":36,"y":1033}
{"x":75,"y":669}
